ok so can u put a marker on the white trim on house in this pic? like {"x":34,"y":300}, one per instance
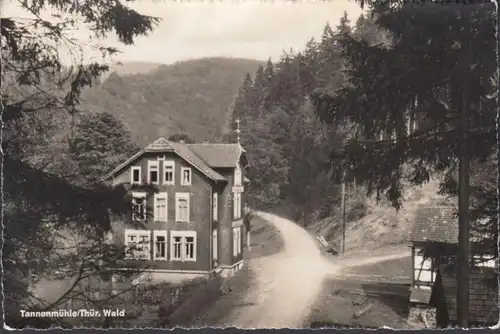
{"x":157,"y":234}
{"x":133,"y":237}
{"x":182,"y":214}
{"x":132,"y":169}
{"x":236,"y":241}
{"x":154,"y":166}
{"x":215,"y":245}
{"x":139,"y":195}
{"x":186,"y":181}
{"x":215,"y":206}
{"x":181,"y":249}
{"x":170,"y":164}
{"x":236,"y":205}
{"x":161,"y":210}
{"x":238,"y":176}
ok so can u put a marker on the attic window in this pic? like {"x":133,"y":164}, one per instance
{"x":186,"y":176}
{"x":135,"y":177}
{"x":153,"y":172}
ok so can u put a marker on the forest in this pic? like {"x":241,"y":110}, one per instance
{"x":334,"y":112}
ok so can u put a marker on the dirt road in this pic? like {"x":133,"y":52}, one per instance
{"x":288,"y":283}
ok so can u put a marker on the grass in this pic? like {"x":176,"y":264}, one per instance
{"x":360,"y":305}
{"x":265,"y":239}
{"x":388,"y":269}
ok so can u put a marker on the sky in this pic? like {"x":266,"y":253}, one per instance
{"x":242,"y":29}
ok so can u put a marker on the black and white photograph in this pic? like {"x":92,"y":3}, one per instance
{"x":258,"y":164}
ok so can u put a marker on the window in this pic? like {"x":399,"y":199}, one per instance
{"x":135,"y":175}
{"x":185,"y":176}
{"x":236,"y":205}
{"x":176,"y":248}
{"x":137,"y":243}
{"x":237,"y":176}
{"x":182,"y":207}
{"x":138,"y":206}
{"x":153,"y":172}
{"x":160,"y":240}
{"x":236,"y":241}
{"x":215,"y":245}
{"x":183,"y":246}
{"x":168,"y":172}
{"x":215,"y":206}
{"x":160,"y":211}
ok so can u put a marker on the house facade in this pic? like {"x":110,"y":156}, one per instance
{"x":192,"y":224}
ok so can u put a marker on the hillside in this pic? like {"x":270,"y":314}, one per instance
{"x":131,"y":67}
{"x":193,"y":96}
{"x":382,"y":225}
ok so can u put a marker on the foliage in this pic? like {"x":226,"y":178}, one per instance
{"x":41,"y":205}
{"x":100,"y":142}
{"x":287,"y":146}
{"x":178,"y":137}
{"x":422,"y":75}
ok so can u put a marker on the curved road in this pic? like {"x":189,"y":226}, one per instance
{"x":288,"y":283}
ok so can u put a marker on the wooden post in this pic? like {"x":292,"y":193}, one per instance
{"x":463,"y":255}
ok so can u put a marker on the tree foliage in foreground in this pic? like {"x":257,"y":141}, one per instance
{"x":439,"y":55}
{"x":40,"y":202}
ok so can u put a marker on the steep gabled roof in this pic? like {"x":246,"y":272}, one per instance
{"x":185,"y":153}
{"x":218,"y":155}
{"x":163,"y":145}
{"x":435,"y":224}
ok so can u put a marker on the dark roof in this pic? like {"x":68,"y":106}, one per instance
{"x":204,"y":157}
{"x":435,"y":224}
{"x":483,"y":294}
{"x":218,"y":155}
{"x":184,"y":152}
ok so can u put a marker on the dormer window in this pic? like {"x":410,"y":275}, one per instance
{"x":185,"y":176}
{"x":237,"y":176}
{"x":168,"y":172}
{"x":153,"y":175}
{"x":135,"y":175}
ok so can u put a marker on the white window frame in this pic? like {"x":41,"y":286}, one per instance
{"x":184,"y":169}
{"x":238,"y":176}
{"x":236,"y":205}
{"x":151,"y":164}
{"x":156,"y":234}
{"x":215,"y":206}
{"x":168,"y":163}
{"x":164,"y":196}
{"x":136,"y":195}
{"x":236,"y":241}
{"x":132,"y":169}
{"x":183,"y":235}
{"x":215,"y":245}
{"x":179,"y":196}
{"x":138,"y":234}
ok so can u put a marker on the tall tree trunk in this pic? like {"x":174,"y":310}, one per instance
{"x":463,"y":255}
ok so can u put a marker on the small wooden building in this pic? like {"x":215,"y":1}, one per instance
{"x":483,"y":294}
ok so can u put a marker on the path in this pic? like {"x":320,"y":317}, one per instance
{"x":288,"y":283}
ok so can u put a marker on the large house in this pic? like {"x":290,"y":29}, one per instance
{"x":193,"y":222}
